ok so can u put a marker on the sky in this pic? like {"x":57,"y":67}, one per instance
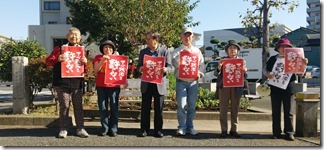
{"x":16,"y":15}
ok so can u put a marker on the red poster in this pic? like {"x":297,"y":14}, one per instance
{"x":151,"y":69}
{"x":294,"y":62}
{"x":233,"y":74}
{"x":116,"y":70}
{"x":72,"y":67}
{"x":188,"y":65}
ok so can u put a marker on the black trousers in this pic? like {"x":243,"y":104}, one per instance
{"x":152,"y":91}
{"x":276,"y":100}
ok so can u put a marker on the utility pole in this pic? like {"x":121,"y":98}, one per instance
{"x":265,"y":45}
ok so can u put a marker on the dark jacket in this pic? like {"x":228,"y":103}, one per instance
{"x":219,"y":84}
{"x":161,"y":52}
{"x":71,"y":83}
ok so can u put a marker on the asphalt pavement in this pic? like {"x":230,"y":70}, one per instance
{"x":255,"y":133}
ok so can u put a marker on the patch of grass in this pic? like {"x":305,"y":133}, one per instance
{"x":48,"y":109}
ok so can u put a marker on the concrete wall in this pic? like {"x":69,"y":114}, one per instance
{"x":46,"y":33}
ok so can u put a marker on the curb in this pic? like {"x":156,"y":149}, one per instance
{"x":25,"y":120}
{"x":52,"y":121}
{"x":200,"y":115}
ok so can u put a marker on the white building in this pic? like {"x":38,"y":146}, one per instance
{"x":314,"y":15}
{"x":54,"y":16}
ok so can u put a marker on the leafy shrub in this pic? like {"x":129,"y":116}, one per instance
{"x":29,"y":49}
{"x":245,"y":103}
{"x":206,"y":99}
{"x":172,"y":86}
{"x":40,"y":76}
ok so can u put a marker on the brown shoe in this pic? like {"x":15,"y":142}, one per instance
{"x":235,"y":134}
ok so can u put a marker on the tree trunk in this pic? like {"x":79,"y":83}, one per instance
{"x":265,"y":47}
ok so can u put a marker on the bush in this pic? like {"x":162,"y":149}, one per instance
{"x":172,"y":86}
{"x":29,"y":49}
{"x":40,"y":76}
{"x":245,"y":103}
{"x":206,"y":99}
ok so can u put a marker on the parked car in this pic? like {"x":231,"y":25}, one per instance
{"x":210,"y":68}
{"x":308,"y":72}
{"x":316,"y":73}
{"x":8,"y":84}
{"x":309,"y":68}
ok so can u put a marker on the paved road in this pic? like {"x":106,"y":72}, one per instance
{"x":254,"y":134}
{"x":39,"y":136}
{"x":6,"y":94}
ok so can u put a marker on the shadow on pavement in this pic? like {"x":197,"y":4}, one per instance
{"x":93,"y":131}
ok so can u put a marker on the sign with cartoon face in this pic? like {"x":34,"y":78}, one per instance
{"x":72,"y":67}
{"x":152,"y":69}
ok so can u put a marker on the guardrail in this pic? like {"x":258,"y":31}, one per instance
{"x":311,"y":81}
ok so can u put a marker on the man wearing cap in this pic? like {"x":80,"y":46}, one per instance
{"x":105,"y":92}
{"x":284,"y":96}
{"x":227,"y":94}
{"x":150,"y":90}
{"x":186,"y":90}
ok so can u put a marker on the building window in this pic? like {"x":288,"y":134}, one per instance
{"x":52,"y":22}
{"x":51,"y":5}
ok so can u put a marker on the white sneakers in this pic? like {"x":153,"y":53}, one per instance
{"x":192,"y":132}
{"x":181,"y":132}
{"x":62,"y":134}
{"x":80,"y":132}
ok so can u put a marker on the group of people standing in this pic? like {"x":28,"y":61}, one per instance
{"x":70,"y":89}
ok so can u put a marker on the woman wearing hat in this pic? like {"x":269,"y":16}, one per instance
{"x":106,"y":91}
{"x":227,"y":94}
{"x":284,"y":96}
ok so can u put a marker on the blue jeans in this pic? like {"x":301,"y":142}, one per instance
{"x":105,"y":93}
{"x":186,"y":95}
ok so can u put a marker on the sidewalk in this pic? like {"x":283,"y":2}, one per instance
{"x":250,"y":124}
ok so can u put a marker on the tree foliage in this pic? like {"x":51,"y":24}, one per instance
{"x":39,"y":74}
{"x":253,"y":20}
{"x":126,"y":22}
{"x":29,"y":49}
{"x":259,"y":18}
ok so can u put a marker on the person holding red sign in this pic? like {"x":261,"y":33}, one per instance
{"x":105,"y":92}
{"x":149,"y":90}
{"x":68,"y":87}
{"x":227,"y":94}
{"x":281,"y":96}
{"x":187,"y":88}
